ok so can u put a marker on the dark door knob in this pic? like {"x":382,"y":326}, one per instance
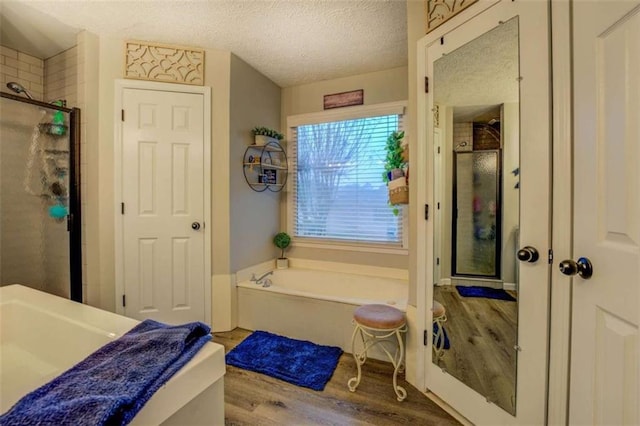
{"x":195,"y":226}
{"x":528,"y":254}
{"x":582,"y":267}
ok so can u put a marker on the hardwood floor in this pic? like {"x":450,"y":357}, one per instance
{"x":483,"y":334}
{"x":256,"y":399}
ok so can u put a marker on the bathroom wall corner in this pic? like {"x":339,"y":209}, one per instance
{"x":224,"y":312}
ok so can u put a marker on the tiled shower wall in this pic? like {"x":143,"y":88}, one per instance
{"x":51,"y":79}
{"x":61,"y":77}
{"x":24,"y":69}
{"x":20,"y":216}
{"x":60,"y":83}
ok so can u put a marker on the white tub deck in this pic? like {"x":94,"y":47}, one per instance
{"x":42,"y":335}
{"x":316,"y":305}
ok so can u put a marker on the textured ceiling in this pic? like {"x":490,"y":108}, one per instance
{"x":290,"y":41}
{"x":481,"y":74}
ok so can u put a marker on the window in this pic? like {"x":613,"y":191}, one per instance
{"x":337,"y":191}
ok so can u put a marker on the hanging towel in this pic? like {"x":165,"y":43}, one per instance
{"x":112,"y":385}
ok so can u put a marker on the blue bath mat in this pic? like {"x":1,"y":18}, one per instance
{"x":486,"y":292}
{"x":295,"y":361}
{"x":436,"y":338}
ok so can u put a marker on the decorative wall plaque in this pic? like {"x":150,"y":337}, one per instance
{"x":337,"y":100}
{"x":161,"y":62}
{"x":440,"y":11}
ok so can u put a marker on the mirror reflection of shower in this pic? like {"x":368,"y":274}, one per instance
{"x":477,"y":203}
{"x":476,"y":221}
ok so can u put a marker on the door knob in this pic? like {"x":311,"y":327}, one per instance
{"x":195,"y":226}
{"x":528,"y":254}
{"x":582,"y":267}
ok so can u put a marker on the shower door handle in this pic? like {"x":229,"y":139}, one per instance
{"x":528,"y":254}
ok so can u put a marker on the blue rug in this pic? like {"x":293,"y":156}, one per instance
{"x":295,"y":361}
{"x":486,"y":292}
{"x":444,"y":336}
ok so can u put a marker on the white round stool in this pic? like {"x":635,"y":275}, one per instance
{"x":376,"y":324}
{"x":439,"y":318}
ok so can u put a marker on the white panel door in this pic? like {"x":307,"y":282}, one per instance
{"x":604,"y":352}
{"x":162,"y":190}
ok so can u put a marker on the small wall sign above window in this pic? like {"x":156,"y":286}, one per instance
{"x":166,"y":63}
{"x":337,"y":100}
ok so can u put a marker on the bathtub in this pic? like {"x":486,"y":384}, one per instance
{"x":315,"y":305}
{"x":44,"y":335}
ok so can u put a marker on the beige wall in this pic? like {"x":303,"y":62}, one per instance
{"x":379,"y":87}
{"x":415,"y":31}
{"x":97,"y":97}
{"x":255,"y":101}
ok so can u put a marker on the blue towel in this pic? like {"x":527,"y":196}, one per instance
{"x":112,"y":385}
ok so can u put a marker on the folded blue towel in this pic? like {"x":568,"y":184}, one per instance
{"x":112,"y":385}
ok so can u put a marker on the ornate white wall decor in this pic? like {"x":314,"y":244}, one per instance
{"x":161,"y":62}
{"x":440,"y":11}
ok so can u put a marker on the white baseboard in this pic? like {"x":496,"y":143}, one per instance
{"x":444,"y":281}
{"x":510,"y":286}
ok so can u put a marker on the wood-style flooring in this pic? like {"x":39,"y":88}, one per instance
{"x":482,"y":333}
{"x":257,"y":399}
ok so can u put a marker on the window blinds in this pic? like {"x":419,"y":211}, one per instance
{"x":337,"y":190}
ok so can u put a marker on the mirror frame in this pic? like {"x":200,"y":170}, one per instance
{"x":536,"y":136}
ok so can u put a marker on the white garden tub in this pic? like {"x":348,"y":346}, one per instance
{"x":315,"y":305}
{"x":42,"y":335}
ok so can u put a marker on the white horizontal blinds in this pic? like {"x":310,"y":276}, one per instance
{"x":338,"y":188}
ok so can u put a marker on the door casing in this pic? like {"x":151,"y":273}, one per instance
{"x":120,"y":86}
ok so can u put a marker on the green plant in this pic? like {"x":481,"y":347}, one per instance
{"x":282,"y":240}
{"x":265,"y":131}
{"x":393,"y":160}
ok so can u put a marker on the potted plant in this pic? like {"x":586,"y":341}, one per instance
{"x":394,"y":174}
{"x":264,"y":135}
{"x":282,"y":240}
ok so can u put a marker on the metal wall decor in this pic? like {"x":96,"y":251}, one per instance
{"x":165,"y":63}
{"x":440,"y":11}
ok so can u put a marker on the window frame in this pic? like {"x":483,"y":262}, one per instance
{"x":350,"y":113}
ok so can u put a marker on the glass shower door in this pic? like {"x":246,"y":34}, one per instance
{"x":36,"y":191}
{"x":477,"y":208}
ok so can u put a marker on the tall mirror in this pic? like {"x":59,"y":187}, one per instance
{"x":477,"y":142}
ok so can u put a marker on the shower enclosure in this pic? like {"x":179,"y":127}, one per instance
{"x":40,"y":221}
{"x":477,"y":204}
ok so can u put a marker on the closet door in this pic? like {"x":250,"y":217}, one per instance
{"x":492,"y":71}
{"x":605,"y":360}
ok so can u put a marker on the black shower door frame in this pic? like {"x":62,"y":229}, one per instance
{"x":74,"y":218}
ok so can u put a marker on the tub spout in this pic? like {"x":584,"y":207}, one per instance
{"x":260,"y":280}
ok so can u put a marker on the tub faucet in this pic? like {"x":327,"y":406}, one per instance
{"x":261,"y":278}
